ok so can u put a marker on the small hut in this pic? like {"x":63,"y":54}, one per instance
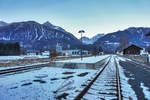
{"x":133,"y":50}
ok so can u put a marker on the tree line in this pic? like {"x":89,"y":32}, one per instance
{"x":9,"y":49}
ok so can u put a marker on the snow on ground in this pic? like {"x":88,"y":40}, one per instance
{"x":44,"y":84}
{"x":127,"y":91}
{"x":145,"y":91}
{"x":123,"y":58}
{"x":21,"y":57}
{"x":93,"y":59}
{"x":10,"y":57}
{"x":2,"y":68}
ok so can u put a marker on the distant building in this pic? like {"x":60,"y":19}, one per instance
{"x":75,"y":52}
{"x":31,"y":53}
{"x":45,"y":53}
{"x":58,"y":47}
{"x":133,"y":50}
{"x":144,"y":52}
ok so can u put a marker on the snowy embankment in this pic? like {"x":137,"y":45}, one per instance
{"x":2,"y":68}
{"x":45,"y":84}
{"x":21,"y":57}
{"x":93,"y":59}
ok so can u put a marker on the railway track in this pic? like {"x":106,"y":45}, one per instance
{"x":21,"y":69}
{"x":105,"y":85}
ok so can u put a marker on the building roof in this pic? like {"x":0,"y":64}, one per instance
{"x":135,"y":46}
{"x":148,"y":34}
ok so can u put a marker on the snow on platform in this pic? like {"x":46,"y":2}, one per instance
{"x":86,"y":63}
{"x":93,"y":59}
{"x":44,"y":84}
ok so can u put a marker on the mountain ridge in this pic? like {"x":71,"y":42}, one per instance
{"x":135,"y":35}
{"x":87,"y":40}
{"x":2,"y":23}
{"x":33,"y":35}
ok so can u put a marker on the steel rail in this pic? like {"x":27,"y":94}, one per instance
{"x":119,"y":92}
{"x":19,"y":69}
{"x":84,"y":91}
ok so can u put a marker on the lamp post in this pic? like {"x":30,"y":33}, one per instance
{"x":81,"y":31}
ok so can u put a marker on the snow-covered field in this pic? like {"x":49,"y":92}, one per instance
{"x":45,"y":84}
{"x":86,"y":60}
{"x":54,"y":83}
{"x":21,"y":57}
{"x":10,"y":57}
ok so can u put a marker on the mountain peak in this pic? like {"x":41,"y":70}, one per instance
{"x":87,"y":40}
{"x":47,"y":23}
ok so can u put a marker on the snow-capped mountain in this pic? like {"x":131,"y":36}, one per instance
{"x":47,"y":23}
{"x":87,"y":40}
{"x":2,"y":23}
{"x":135,"y":35}
{"x":96,"y":37}
{"x":33,"y":35}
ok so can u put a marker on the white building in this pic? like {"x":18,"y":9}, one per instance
{"x":75,"y":52}
{"x":58,"y":48}
{"x":31,"y":53}
{"x":45,"y":53}
{"x":143,"y":52}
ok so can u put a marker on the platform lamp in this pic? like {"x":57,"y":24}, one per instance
{"x":81,"y":32}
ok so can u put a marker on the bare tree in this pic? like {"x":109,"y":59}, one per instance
{"x":53,"y":53}
{"x":124,"y":42}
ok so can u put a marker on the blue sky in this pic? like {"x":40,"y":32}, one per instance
{"x":94,"y":16}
